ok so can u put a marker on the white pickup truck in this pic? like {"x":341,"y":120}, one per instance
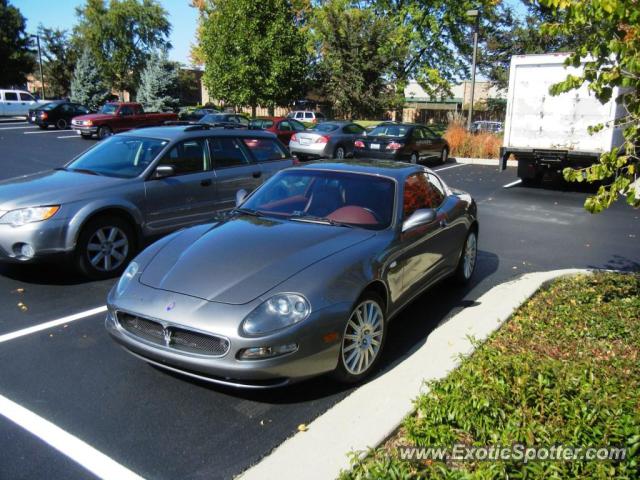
{"x":16,"y":103}
{"x":546,"y":133}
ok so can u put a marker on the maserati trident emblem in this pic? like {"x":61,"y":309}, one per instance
{"x":167,"y":336}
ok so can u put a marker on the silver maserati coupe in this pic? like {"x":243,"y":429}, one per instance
{"x":300,"y":279}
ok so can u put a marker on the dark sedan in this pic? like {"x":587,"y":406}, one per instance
{"x":197,"y":114}
{"x":222,"y":118}
{"x":407,"y":142}
{"x":58,"y":114}
{"x":300,"y":279}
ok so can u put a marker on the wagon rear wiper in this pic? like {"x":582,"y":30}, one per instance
{"x":248,"y":211}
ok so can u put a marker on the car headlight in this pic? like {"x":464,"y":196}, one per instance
{"x":126,"y":277}
{"x":280,"y":311}
{"x":22,"y":216}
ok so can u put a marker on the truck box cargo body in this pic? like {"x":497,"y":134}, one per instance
{"x":548,"y":133}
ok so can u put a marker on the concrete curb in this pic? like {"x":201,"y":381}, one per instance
{"x":371,"y":413}
{"x":484,"y":161}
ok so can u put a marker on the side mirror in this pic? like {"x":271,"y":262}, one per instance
{"x":418,"y":218}
{"x":163,"y":171}
{"x":240,"y":196}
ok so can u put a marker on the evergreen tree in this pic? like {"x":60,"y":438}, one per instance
{"x":87,"y":85}
{"x":158,"y":89}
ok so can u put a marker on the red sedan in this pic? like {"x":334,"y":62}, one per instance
{"x":283,"y":127}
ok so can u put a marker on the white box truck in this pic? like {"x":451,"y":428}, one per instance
{"x":546,"y":133}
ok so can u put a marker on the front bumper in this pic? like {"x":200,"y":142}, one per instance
{"x":84,"y":129}
{"x":318,"y":339}
{"x":47,"y":238}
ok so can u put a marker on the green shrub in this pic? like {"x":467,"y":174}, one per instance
{"x":564,"y":370}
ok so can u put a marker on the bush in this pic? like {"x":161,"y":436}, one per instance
{"x":466,"y":144}
{"x":562,"y":371}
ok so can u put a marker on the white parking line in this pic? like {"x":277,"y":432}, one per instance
{"x":53,"y":323}
{"x":42,"y":131}
{"x":512,"y":184}
{"x":74,"y":448}
{"x":447,"y":168}
{"x":17,"y":128}
{"x":70,"y":136}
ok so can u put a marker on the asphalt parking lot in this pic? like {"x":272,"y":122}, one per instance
{"x":163,"y":426}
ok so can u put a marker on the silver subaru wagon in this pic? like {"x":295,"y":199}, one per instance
{"x":99,"y":208}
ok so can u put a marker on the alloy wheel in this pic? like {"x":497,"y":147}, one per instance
{"x":61,"y":124}
{"x":362,"y":337}
{"x":108,"y":248}
{"x":470,"y":255}
{"x":414,"y":158}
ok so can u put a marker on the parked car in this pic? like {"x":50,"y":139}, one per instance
{"x":302,"y":279}
{"x":486,"y":126}
{"x":221,"y":118}
{"x":402,"y":141}
{"x":99,"y":208}
{"x":116,"y":117}
{"x":196,"y":115}
{"x":307,"y":116}
{"x":332,"y":139}
{"x":284,"y":128}
{"x":58,"y":113}
{"x":16,"y":103}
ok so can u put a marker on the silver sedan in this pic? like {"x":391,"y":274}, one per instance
{"x":333,"y":139}
{"x":300,"y":279}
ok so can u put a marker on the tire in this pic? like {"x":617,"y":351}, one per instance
{"x":61,"y":124}
{"x":468,"y":259}
{"x":104,"y":132}
{"x":414,"y":158}
{"x":105,"y":247}
{"x":444,"y":156}
{"x":339,"y":153}
{"x":43,"y":127}
{"x":354,"y":359}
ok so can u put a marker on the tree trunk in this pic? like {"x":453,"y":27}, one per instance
{"x":253,"y":111}
{"x":272,"y":111}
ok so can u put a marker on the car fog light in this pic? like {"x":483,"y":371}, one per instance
{"x":256,"y":353}
{"x":27,"y":251}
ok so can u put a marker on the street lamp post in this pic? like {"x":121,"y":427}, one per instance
{"x":37,"y":37}
{"x":475,"y":14}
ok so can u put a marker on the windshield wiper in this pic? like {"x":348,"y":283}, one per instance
{"x":248,"y":211}
{"x":316,"y":219}
{"x":84,"y":170}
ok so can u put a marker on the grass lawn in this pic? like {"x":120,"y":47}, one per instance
{"x":564,"y":370}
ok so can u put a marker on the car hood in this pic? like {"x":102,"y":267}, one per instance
{"x":53,"y":187}
{"x":238,"y":260}
{"x":94,"y":117}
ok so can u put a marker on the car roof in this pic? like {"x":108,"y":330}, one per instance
{"x":180,"y":132}
{"x":387,"y":168}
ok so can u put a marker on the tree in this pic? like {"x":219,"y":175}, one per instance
{"x":87,"y":85}
{"x":158,"y":90}
{"x":254,"y":52}
{"x":610,"y":49}
{"x":16,"y":58}
{"x":59,"y":60}
{"x":122,"y":36}
{"x":355,"y":60}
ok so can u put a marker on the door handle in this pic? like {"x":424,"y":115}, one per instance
{"x":257,"y":174}
{"x":206,"y":183}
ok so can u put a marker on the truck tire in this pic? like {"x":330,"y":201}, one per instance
{"x":104,"y":132}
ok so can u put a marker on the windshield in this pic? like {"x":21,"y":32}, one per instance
{"x":109,"y":108}
{"x":325,"y":127}
{"x":333,"y":197}
{"x":261,"y":123}
{"x":389,"y":131}
{"x":49,"y":106}
{"x":119,"y":156}
{"x":213,"y":118}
